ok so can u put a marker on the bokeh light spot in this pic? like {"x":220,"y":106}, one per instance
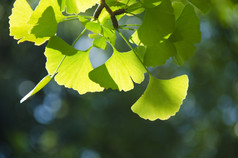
{"x":25,"y":87}
{"x":90,"y":154}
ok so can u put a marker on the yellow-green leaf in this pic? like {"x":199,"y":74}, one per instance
{"x":73,"y":72}
{"x":119,"y":71}
{"x":21,"y":13}
{"x":38,"y":87}
{"x":36,"y":26}
{"x":162,"y":98}
{"x":77,"y":6}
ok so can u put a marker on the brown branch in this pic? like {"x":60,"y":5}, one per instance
{"x":108,"y":9}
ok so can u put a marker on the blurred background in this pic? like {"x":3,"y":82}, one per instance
{"x":60,"y":123}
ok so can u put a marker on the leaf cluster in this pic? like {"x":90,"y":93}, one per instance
{"x":169,"y":29}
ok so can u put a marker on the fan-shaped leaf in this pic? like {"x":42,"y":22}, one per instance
{"x":21,"y":13}
{"x":158,"y":23}
{"x":162,"y":98}
{"x":119,"y":71}
{"x":158,"y":54}
{"x":36,"y":26}
{"x":77,"y":6}
{"x":203,"y":5}
{"x":73,"y":72}
{"x":186,"y":34}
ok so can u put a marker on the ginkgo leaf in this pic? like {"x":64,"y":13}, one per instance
{"x":186,"y":34}
{"x":135,"y":39}
{"x":158,"y":23}
{"x":105,"y":18}
{"x":38,"y":87}
{"x":21,"y":13}
{"x":119,"y":71}
{"x":178,"y":8}
{"x":40,"y":9}
{"x":150,"y":3}
{"x":45,"y":28}
{"x":162,"y":98}
{"x":158,"y":54}
{"x":77,"y":6}
{"x":203,"y":5}
{"x":99,"y":28}
{"x":73,"y":72}
{"x":36,"y":26}
{"x":100,"y":42}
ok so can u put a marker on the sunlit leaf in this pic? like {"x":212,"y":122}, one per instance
{"x":38,"y":87}
{"x":73,"y":72}
{"x":119,"y":71}
{"x":77,"y":6}
{"x":40,"y":9}
{"x":45,"y":28}
{"x":100,"y":42}
{"x":105,"y":18}
{"x":162,"y":98}
{"x":21,"y":13}
{"x":99,"y":28}
{"x":36,"y":26}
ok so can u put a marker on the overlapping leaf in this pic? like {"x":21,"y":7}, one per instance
{"x":162,"y":98}
{"x":186,"y":34}
{"x":203,"y":5}
{"x":158,"y":54}
{"x":73,"y":72}
{"x":21,"y":13}
{"x":99,"y":41}
{"x":36,"y":26}
{"x":166,"y":31}
{"x":150,"y":3}
{"x":76,"y":6}
{"x":119,"y":71}
{"x":158,"y":23}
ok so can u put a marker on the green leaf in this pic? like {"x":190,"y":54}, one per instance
{"x":45,"y":28}
{"x":135,"y":39}
{"x":105,"y":18}
{"x":100,"y":42}
{"x":158,"y":54}
{"x":162,"y":98}
{"x":203,"y":5}
{"x":119,"y":71}
{"x":38,"y":87}
{"x":21,"y":13}
{"x":36,"y":26}
{"x":186,"y":34}
{"x":93,"y":26}
{"x":158,"y":23}
{"x":109,"y":35}
{"x":77,"y":6}
{"x":40,"y":9}
{"x":98,"y":28}
{"x":73,"y":72}
{"x":150,"y":3}
{"x":135,"y":8}
{"x":178,"y":8}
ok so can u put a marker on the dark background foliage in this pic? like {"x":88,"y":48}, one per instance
{"x":58,"y":122}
